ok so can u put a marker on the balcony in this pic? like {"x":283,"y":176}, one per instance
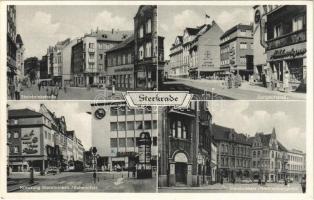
{"x":288,"y":39}
{"x":91,"y":50}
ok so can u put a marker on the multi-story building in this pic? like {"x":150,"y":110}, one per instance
{"x":286,"y":44}
{"x":50,"y":61}
{"x":116,"y":132}
{"x":148,"y":48}
{"x":120,"y":64}
{"x":19,"y":57}
{"x":234,"y":154}
{"x":269,"y":158}
{"x":88,"y":56}
{"x":296,"y":165}
{"x":37,"y":139}
{"x":57,"y":69}
{"x":185,"y":146}
{"x":66,"y":53}
{"x":196,"y":53}
{"x":11,"y":44}
{"x":236,"y":50}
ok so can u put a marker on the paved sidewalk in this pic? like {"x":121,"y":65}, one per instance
{"x":245,"y":92}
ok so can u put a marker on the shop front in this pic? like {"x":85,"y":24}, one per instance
{"x":79,"y":80}
{"x":121,"y":76}
{"x":288,"y":65}
{"x":145,"y":77}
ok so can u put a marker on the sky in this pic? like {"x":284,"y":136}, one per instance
{"x":248,"y":117}
{"x":41,"y":26}
{"x":174,"y":19}
{"x":74,"y":112}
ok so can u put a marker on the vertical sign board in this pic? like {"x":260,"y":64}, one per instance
{"x":144,"y":168}
{"x":30,"y":139}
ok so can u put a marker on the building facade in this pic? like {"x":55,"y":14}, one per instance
{"x":44,"y":67}
{"x":120,"y":65}
{"x":66,"y":53}
{"x":269,"y":158}
{"x":116,"y":131}
{"x":296,"y":165}
{"x":196,"y":53}
{"x":286,"y":45}
{"x":32,"y":68}
{"x":37,"y":140}
{"x":11,"y":44}
{"x":19,"y":57}
{"x":89,"y":56}
{"x":236,"y":50}
{"x":234,"y":154}
{"x":146,"y":43}
{"x":185,"y":146}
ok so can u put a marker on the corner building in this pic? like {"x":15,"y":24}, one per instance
{"x":115,"y":133}
{"x":185,"y":146}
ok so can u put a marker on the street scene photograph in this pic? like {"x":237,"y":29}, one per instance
{"x":260,"y":148}
{"x":81,"y":52}
{"x":234,"y":52}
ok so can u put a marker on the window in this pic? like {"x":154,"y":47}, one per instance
{"x":154,"y":124}
{"x":147,"y":125}
{"x":9,"y":135}
{"x":16,"y":149}
{"x":16,"y":135}
{"x":91,"y":45}
{"x":254,"y":154}
{"x":130,"y":111}
{"x":100,"y":56}
{"x":243,"y":45}
{"x":113,"y":126}
{"x":113,"y":142}
{"x":141,"y":32}
{"x":139,"y":125}
{"x":258,"y":153}
{"x":243,"y":59}
{"x":298,"y":23}
{"x":148,"y":26}
{"x":122,"y":142}
{"x":272,"y":154}
{"x":140,"y":52}
{"x":173,"y":129}
{"x":121,"y":126}
{"x":277,"y":30}
{"x":242,"y":32}
{"x":148,"y":52}
{"x":121,"y":111}
{"x":129,"y":59}
{"x":130,"y":125}
{"x":130,"y":142}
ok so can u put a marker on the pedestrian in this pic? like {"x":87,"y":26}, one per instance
{"x":39,"y":85}
{"x":65,"y":88}
{"x":259,"y":181}
{"x":56,"y":91}
{"x":264,"y":80}
{"x":12,"y":90}
{"x":286,"y":81}
{"x":221,"y":180}
{"x":303,"y":183}
{"x":268,"y":80}
{"x":49,"y":92}
{"x":229,"y":82}
{"x":94,"y":176}
{"x":18,"y":88}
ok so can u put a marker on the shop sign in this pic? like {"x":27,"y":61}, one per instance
{"x":30,"y":141}
{"x":282,"y":53}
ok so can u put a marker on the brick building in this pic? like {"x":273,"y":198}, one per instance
{"x":234,"y":154}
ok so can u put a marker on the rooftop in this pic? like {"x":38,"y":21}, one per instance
{"x":113,"y":35}
{"x":236,"y":27}
{"x":122,"y":44}
{"x":223,"y":133}
{"x":26,"y":112}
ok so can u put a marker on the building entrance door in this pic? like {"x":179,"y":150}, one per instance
{"x":181,"y":172}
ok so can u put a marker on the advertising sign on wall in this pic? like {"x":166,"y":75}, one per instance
{"x":30,"y":138}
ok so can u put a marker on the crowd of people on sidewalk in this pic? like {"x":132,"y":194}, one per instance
{"x":232,"y":81}
{"x":14,"y":89}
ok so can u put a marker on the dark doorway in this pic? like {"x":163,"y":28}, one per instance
{"x":91,"y":80}
{"x":181,"y":172}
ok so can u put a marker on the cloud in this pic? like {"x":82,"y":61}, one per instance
{"x":187,"y":18}
{"x":246,"y":118}
{"x":106,"y":21}
{"x":228,"y":19}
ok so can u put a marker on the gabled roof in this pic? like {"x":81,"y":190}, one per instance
{"x":223,"y":133}
{"x":114,"y":35}
{"x":265,"y":139}
{"x":123,"y":44}
{"x":19,"y":113}
{"x":180,"y":38}
{"x":281,"y":147}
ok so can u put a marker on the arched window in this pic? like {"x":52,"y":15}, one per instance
{"x":254,"y":154}
{"x":179,"y":129}
{"x":173,"y":129}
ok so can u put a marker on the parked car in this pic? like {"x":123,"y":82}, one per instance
{"x":246,"y":181}
{"x":52,"y":170}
